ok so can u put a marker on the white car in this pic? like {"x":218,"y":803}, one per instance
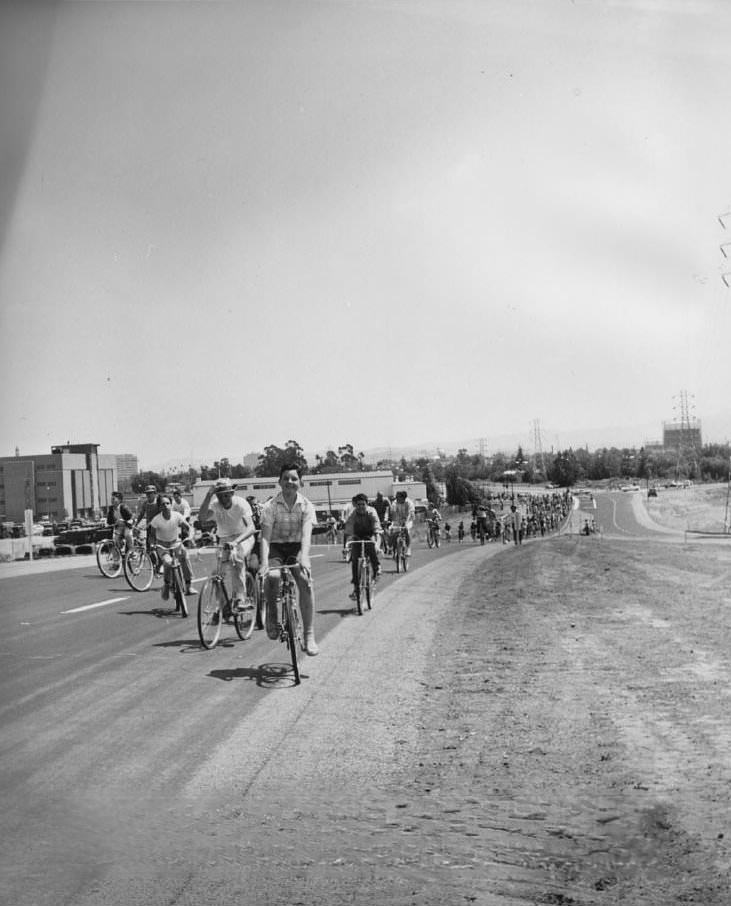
{"x":630,"y":487}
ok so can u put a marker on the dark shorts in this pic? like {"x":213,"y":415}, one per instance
{"x":283,"y":553}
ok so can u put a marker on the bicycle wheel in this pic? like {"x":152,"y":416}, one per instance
{"x":359,"y":590}
{"x":292,"y":617}
{"x":430,"y":538}
{"x":181,"y":605}
{"x":138,"y":569}
{"x":246,"y":620}
{"x":210,"y":613}
{"x":436,"y":538}
{"x":109,"y":558}
{"x":397,"y":557}
{"x":404,"y":561}
{"x":370,"y":590}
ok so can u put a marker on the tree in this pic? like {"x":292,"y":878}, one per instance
{"x":348,"y":460}
{"x":140,"y":481}
{"x":274,"y":457}
{"x":564,"y":469}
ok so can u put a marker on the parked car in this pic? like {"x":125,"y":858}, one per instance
{"x":630,"y":487}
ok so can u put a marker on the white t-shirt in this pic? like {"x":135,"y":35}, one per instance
{"x":230,"y":522}
{"x":168,"y":530}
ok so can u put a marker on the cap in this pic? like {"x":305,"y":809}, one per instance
{"x":223,"y":486}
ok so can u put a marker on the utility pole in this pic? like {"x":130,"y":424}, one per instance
{"x":538,"y":446}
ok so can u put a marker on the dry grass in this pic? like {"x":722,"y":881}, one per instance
{"x":701,"y":507}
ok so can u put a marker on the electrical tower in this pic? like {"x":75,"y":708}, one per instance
{"x":686,"y":432}
{"x":538,"y":447}
{"x":482,"y":442}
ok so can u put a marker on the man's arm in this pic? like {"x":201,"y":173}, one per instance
{"x":204,"y":514}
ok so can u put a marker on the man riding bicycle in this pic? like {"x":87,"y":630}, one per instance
{"x":286,"y":536}
{"x":433,"y":518}
{"x":402,"y":516}
{"x":119,"y":516}
{"x":234,"y":527}
{"x":170,"y":529}
{"x":363,"y":524}
{"x":149,"y":508}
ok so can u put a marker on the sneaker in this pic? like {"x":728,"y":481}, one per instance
{"x":191,"y":591}
{"x":311,"y":645}
{"x":353,"y":596}
{"x":165,"y":593}
{"x":273,"y":626}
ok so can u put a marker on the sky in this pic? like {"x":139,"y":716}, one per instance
{"x":228,"y":225}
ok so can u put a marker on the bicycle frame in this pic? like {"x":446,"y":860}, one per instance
{"x":364,"y":586}
{"x":292,"y":632}
{"x":398,"y":540}
{"x":171,"y":559}
{"x":214,"y":602}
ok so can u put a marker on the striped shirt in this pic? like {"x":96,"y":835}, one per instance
{"x":286,"y":523}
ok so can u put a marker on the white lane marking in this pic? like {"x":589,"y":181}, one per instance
{"x":98,"y":604}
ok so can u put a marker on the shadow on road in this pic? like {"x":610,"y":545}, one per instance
{"x":265,"y":675}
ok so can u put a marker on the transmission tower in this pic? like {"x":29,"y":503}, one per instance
{"x":538,"y":446}
{"x":482,"y":442}
{"x":689,"y":429}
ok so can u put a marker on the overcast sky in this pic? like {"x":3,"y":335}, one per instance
{"x":225,"y":225}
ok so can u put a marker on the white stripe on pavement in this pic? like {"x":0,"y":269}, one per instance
{"x":98,"y":604}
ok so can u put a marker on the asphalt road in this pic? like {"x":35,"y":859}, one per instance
{"x":109,"y":705}
{"x":135,"y":765}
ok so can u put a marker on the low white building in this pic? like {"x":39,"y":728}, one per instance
{"x":327,"y":491}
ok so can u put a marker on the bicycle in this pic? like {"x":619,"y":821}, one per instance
{"x":170,"y":557}
{"x":398,"y":545}
{"x":214,"y":602}
{"x":364,"y":588}
{"x":432,"y":534}
{"x":141,"y":565}
{"x":110,"y":556}
{"x":291,"y":628}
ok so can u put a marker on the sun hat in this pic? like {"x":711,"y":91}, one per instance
{"x":223,"y":486}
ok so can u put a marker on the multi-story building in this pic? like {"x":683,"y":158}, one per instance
{"x":127,"y":467}
{"x":73,"y":480}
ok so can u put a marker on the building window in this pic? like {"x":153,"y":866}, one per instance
{"x":319,"y":484}
{"x":264,"y":487}
{"x":349,"y":481}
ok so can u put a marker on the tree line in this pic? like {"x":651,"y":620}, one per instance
{"x":464,"y":474}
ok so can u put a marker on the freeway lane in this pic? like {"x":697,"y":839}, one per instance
{"x":107,"y":712}
{"x":623,"y":514}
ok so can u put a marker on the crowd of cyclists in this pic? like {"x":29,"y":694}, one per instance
{"x":279,"y":533}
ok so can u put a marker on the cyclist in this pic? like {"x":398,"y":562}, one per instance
{"x":119,"y":516}
{"x":286,"y":536}
{"x":363,"y":524}
{"x":148,"y":508}
{"x":235,"y":526}
{"x":170,"y":528}
{"x":447,"y":532}
{"x":382,"y":506}
{"x":460,"y":531}
{"x":256,"y":516}
{"x":481,"y":520}
{"x":402,"y":516}
{"x":433,"y":518}
{"x":332,"y":529}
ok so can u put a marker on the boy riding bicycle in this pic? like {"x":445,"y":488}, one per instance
{"x":363,"y":524}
